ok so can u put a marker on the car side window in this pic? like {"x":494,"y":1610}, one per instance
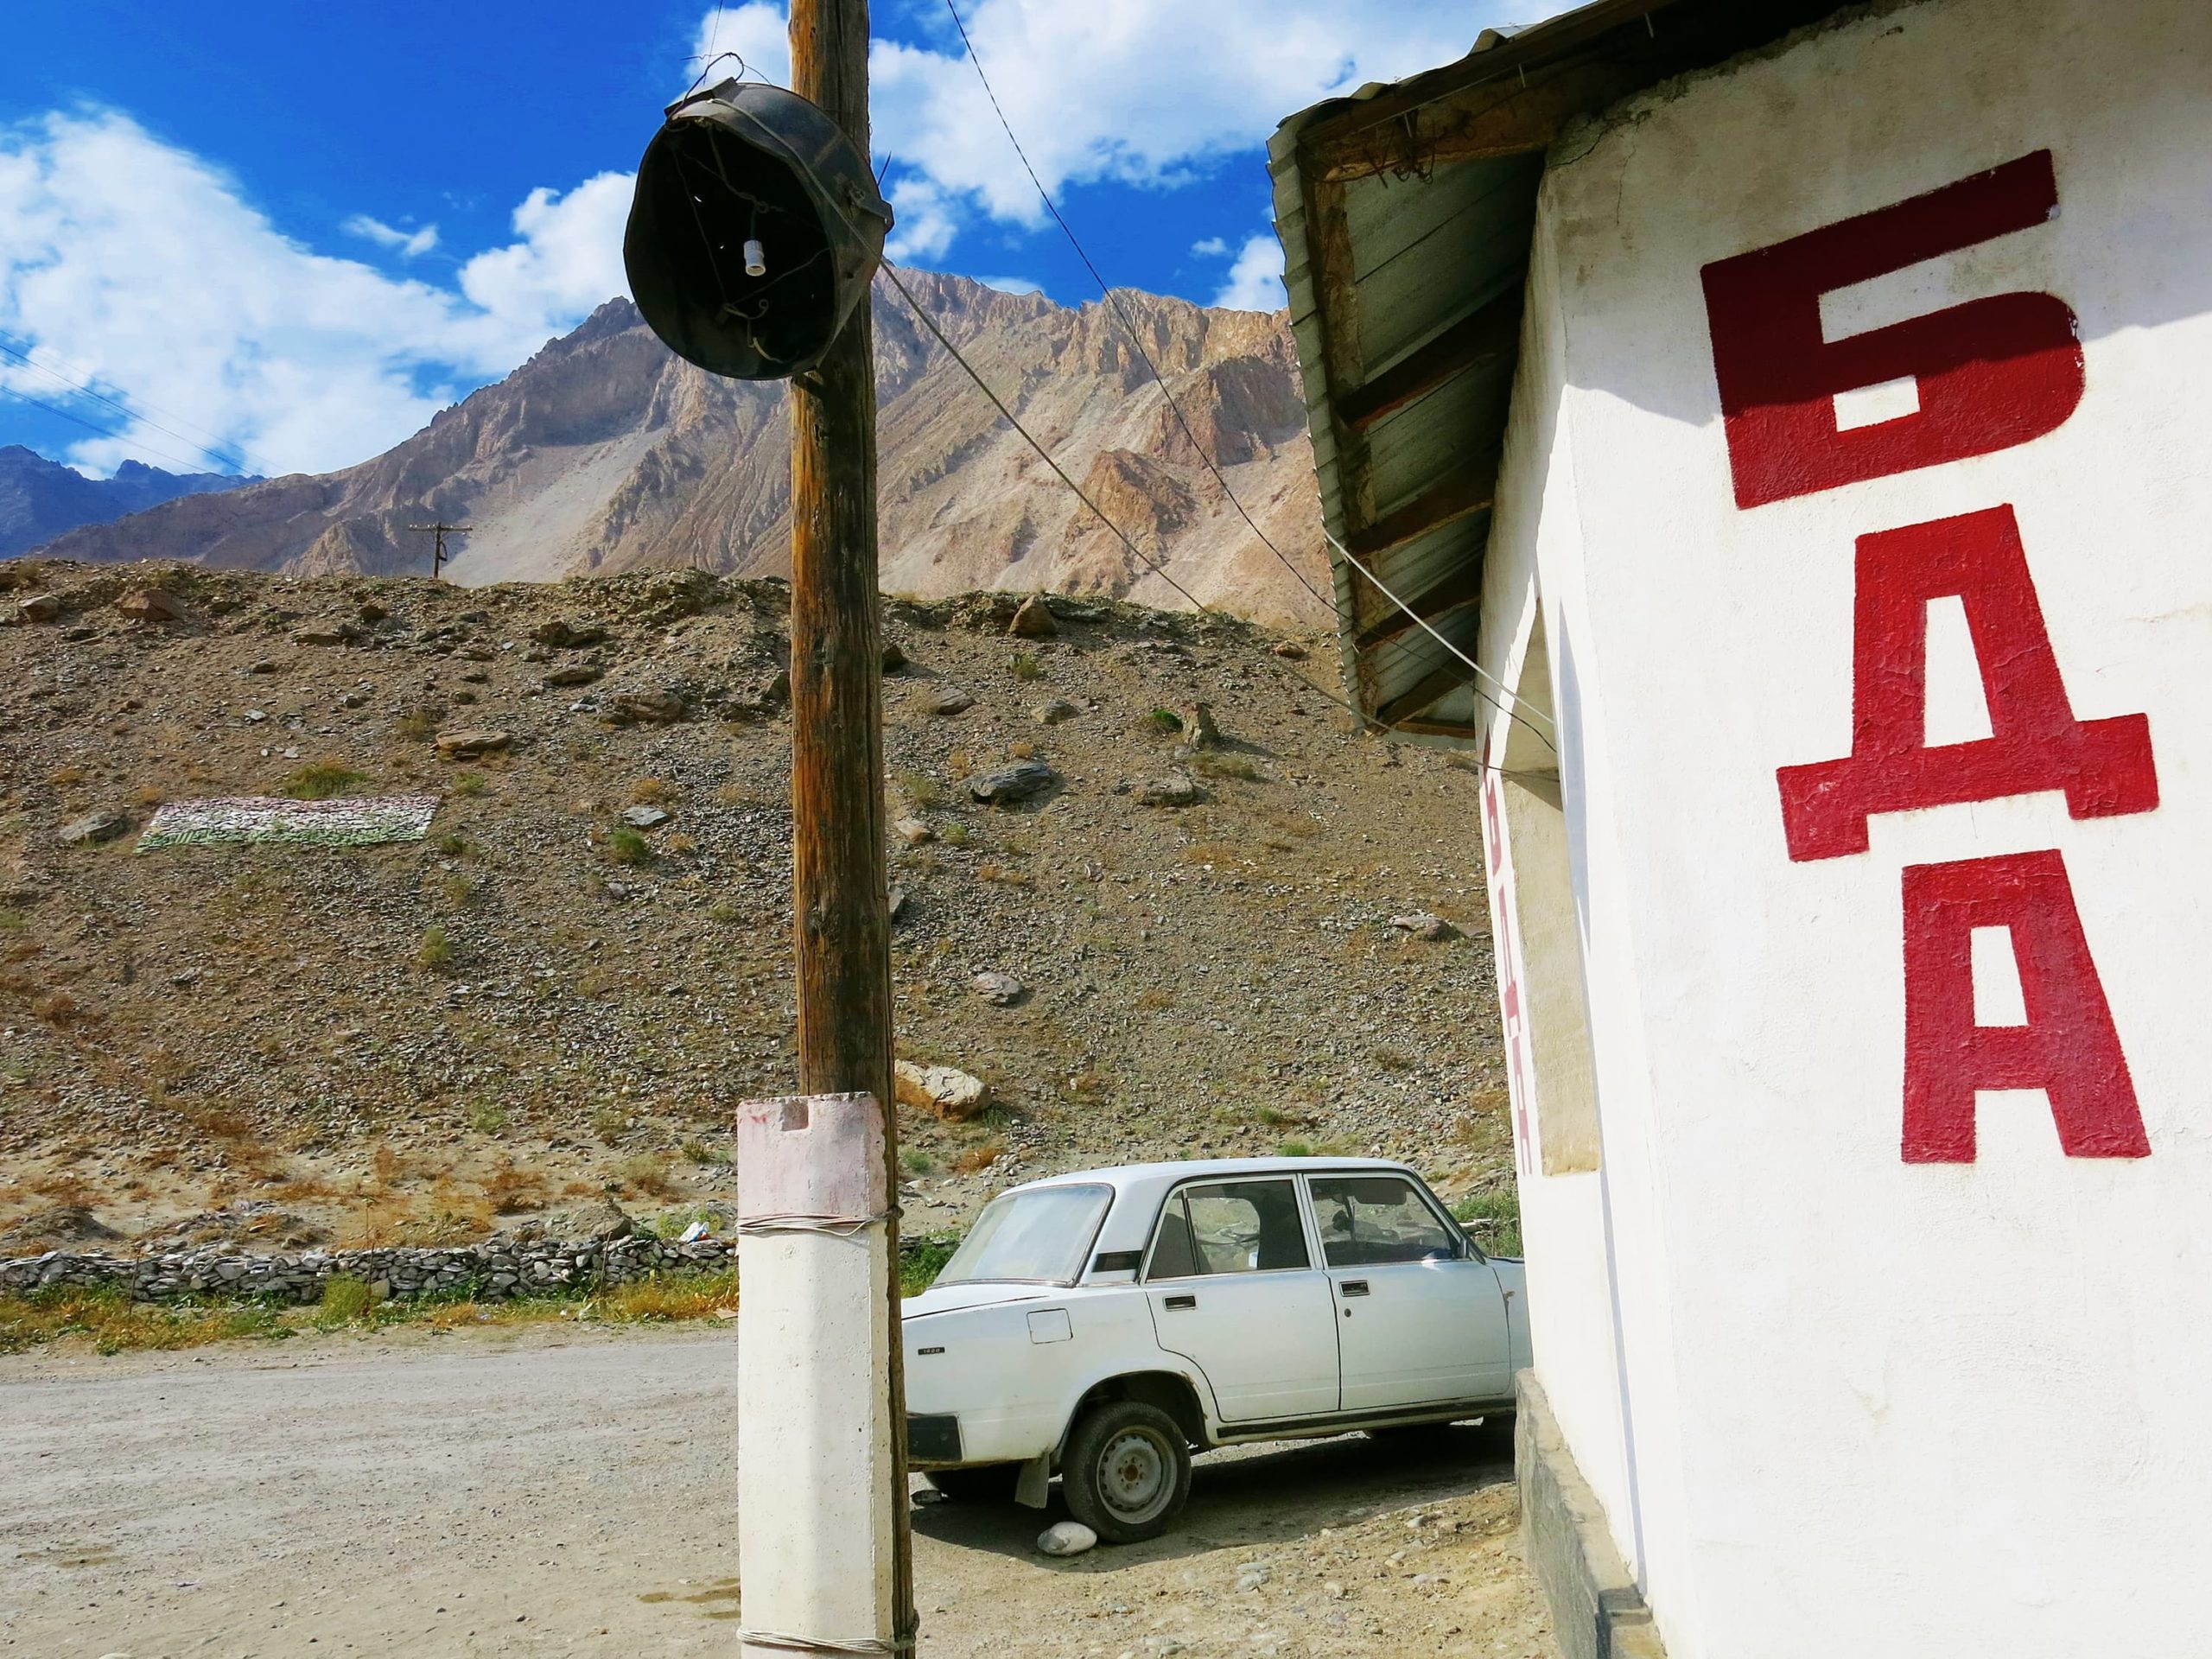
{"x":1372,"y":1220}
{"x":1228,"y":1227}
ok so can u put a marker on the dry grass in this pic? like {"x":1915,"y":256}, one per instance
{"x":976,"y":1160}
{"x":649,"y":1176}
{"x":652,"y":792}
{"x":512,"y":1191}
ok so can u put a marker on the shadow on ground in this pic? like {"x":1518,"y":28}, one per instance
{"x":1258,"y":1495}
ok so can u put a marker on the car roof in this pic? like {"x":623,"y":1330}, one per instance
{"x":1129,"y":1177}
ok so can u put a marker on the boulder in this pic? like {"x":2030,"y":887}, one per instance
{"x":1199,"y":730}
{"x":94,"y":828}
{"x":999,"y":990}
{"x":1176,"y":789}
{"x":575,"y":674}
{"x":564,"y":635}
{"x":942,"y":1091}
{"x":654,"y":708}
{"x":339,"y":634}
{"x":644,"y":817}
{"x":894,"y":903}
{"x":1015,"y":782}
{"x":152,"y":605}
{"x":1290,"y":650}
{"x":894,"y":658}
{"x":1424,"y":926}
{"x":39,"y":607}
{"x":467,"y":743}
{"x":950,"y":700}
{"x":1033,"y":620}
{"x":913,"y":831}
{"x":1054,"y":712}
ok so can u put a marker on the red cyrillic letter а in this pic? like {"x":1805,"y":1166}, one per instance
{"x":2104,"y":766}
{"x":1991,"y":374}
{"x":2069,"y":1048}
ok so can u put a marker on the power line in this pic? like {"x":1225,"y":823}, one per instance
{"x":1509,"y":708}
{"x":1051,"y":206}
{"x":95,"y":427}
{"x":1360,"y":717}
{"x":11,"y":345}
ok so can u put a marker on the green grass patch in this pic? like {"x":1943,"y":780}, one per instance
{"x":1494,"y":1218}
{"x":320,"y":780}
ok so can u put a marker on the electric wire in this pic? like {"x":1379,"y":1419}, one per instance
{"x":95,"y":427}
{"x":1362,"y":719}
{"x":238,"y":457}
{"x":1510,"y":707}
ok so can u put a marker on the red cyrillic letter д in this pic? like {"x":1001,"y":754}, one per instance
{"x":1991,"y":374}
{"x":2069,"y":1048}
{"x":2103,"y":766}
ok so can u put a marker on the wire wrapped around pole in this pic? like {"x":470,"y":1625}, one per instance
{"x":837,"y":1226}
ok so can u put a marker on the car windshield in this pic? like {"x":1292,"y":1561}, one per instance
{"x":1038,"y":1235}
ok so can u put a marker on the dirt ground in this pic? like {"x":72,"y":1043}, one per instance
{"x":572,"y":1493}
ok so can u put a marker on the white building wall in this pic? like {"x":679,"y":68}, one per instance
{"x":1923,"y":1410}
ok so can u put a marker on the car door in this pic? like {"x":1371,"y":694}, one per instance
{"x":1421,"y":1317}
{"x":1233,"y":1287}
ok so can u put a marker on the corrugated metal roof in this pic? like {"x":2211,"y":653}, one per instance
{"x":1406,"y":214}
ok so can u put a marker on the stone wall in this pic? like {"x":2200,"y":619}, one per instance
{"x":494,"y":1270}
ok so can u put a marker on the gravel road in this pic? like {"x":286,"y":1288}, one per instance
{"x":572,"y":1492}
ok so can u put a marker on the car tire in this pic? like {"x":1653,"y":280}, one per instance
{"x":988,"y":1483}
{"x":1127,"y":1472}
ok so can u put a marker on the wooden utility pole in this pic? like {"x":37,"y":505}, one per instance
{"x":441,"y":530}
{"x":843,"y":916}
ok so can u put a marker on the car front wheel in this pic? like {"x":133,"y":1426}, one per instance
{"x":1127,"y":1472}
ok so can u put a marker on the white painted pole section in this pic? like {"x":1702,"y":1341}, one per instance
{"x":814,"y":1415}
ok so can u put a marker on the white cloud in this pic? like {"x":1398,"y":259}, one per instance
{"x":1213,"y":248}
{"x":141,"y":268}
{"x":408,"y":245}
{"x":759,"y":33}
{"x":1012,"y":284}
{"x":1134,"y":92}
{"x":1256,"y":280}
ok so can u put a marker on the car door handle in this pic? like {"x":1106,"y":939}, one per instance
{"x":1353,"y":1286}
{"x":1179,"y":1304}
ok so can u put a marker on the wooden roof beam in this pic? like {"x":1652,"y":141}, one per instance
{"x":1462,"y":585}
{"x":1424,"y":695}
{"x":1488,"y":332}
{"x":1470,"y":489}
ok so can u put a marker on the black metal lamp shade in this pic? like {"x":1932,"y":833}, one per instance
{"x":755,"y":232}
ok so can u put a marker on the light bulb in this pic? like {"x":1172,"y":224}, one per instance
{"x":756,"y":261}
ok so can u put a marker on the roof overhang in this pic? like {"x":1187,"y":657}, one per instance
{"x":1407,"y":214}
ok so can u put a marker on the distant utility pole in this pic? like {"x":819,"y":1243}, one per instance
{"x":842,"y":917}
{"x":441,"y":531}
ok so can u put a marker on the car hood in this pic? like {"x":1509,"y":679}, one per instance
{"x":951,"y":1299}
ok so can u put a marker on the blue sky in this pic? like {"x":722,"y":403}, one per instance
{"x":274,"y":236}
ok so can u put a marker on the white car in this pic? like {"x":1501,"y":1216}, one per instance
{"x":1103,"y":1324}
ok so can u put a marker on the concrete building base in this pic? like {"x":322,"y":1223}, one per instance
{"x":1596,"y":1611}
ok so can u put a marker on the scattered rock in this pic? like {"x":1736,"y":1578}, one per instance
{"x":152,"y":605}
{"x":654,"y":708}
{"x":950,"y":700}
{"x":468,"y":743}
{"x":94,"y":828}
{"x":263,"y":666}
{"x":65,"y":1223}
{"x":564,"y":635}
{"x":1054,"y":712}
{"x":39,"y":607}
{"x":369,"y":611}
{"x":999,"y":990}
{"x":1423,"y":925}
{"x":644,"y":817}
{"x":1033,"y":620}
{"x":944,"y":1092}
{"x":895,"y":902}
{"x":1015,"y":782}
{"x":913,"y":831}
{"x":1176,"y":789}
{"x":1066,"y":1538}
{"x":341,"y":633}
{"x":894,"y":658}
{"x":573,"y":674}
{"x":1290,"y":650}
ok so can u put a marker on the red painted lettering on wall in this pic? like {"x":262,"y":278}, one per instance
{"x":2068,"y":1048}
{"x":1992,"y":373}
{"x":2103,"y":765}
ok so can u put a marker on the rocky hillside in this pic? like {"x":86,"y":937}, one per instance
{"x":586,"y":963}
{"x":605,"y":453}
{"x":41,"y":499}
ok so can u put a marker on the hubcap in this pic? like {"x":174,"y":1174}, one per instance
{"x":1135,"y":1475}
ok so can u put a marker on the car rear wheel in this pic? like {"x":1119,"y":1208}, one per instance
{"x":1127,"y":1472}
{"x":989,"y":1483}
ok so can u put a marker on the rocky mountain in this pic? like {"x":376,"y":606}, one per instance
{"x":605,"y":453}
{"x":40,"y":499}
